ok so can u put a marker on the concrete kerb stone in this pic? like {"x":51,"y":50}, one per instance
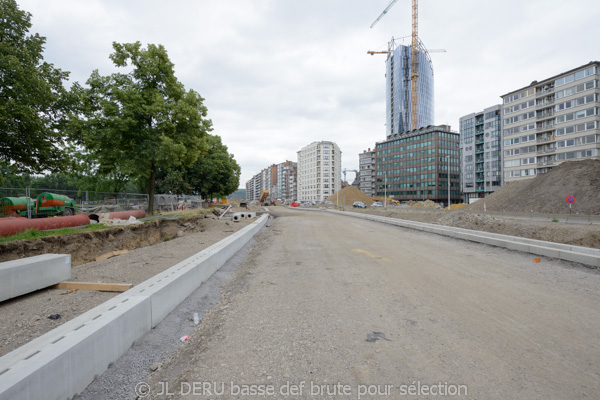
{"x":19,"y":277}
{"x":64,"y":361}
{"x":583,"y":255}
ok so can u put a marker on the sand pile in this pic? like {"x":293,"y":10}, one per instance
{"x":425,"y":204}
{"x":349,"y":195}
{"x":547,"y":193}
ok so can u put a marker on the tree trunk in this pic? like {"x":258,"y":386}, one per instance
{"x":151,"y":190}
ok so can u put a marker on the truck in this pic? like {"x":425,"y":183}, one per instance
{"x":45,"y":205}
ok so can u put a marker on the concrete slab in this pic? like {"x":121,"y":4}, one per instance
{"x":19,"y":277}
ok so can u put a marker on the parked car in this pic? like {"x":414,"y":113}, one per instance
{"x":377,"y":204}
{"x":359,"y":204}
{"x":329,"y":203}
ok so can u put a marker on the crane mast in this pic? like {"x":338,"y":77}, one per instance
{"x":415,"y":64}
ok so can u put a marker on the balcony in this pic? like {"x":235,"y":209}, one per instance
{"x":480,"y":188}
{"x":479,"y":160}
{"x":480,"y":141}
{"x":545,"y":139}
{"x":480,"y":170}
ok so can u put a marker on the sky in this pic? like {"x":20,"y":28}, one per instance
{"x":277,"y":75}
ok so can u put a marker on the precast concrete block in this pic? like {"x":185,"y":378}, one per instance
{"x":29,"y":274}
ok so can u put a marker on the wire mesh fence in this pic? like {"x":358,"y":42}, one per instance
{"x":29,"y":201}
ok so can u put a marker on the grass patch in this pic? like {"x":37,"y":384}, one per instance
{"x":32,"y":234}
{"x":554,"y":219}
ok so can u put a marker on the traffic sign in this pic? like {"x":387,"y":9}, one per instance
{"x":570,"y":199}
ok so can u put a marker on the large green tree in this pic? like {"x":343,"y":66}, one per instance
{"x":143,"y":120}
{"x":216,"y":173}
{"x":33,"y":101}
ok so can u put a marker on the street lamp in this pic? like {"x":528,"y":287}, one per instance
{"x":385,"y":189}
{"x":448,"y":157}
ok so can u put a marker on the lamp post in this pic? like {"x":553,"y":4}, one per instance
{"x":448,"y":157}
{"x":385,"y":189}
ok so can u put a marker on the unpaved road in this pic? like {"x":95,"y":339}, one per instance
{"x":295,"y":319}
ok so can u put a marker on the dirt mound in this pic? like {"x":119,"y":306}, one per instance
{"x":547,"y":193}
{"x":425,"y":204}
{"x":349,"y":195}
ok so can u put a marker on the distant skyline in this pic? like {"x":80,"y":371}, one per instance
{"x":280,"y":74}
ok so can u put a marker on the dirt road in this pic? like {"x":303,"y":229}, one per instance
{"x":335,"y":307}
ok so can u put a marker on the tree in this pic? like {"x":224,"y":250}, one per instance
{"x":33,"y":101}
{"x":216,"y":173}
{"x":141,"y":121}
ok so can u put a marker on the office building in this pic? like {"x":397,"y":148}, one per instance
{"x":417,"y":165}
{"x":399,"y":89}
{"x":551,"y":121}
{"x":481,"y":154}
{"x":319,"y":171}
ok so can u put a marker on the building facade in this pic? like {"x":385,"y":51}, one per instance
{"x":279,"y":179}
{"x":417,"y":165}
{"x":319,"y":171}
{"x":551,"y":121}
{"x":366,"y":174}
{"x":286,"y":181}
{"x":399,"y":89}
{"x":481,"y":154}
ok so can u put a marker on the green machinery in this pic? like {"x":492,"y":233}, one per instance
{"x":46,"y":204}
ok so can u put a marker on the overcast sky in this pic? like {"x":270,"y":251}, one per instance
{"x":277,"y":75}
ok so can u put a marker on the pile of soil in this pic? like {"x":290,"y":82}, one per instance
{"x":349,"y":195}
{"x":425,"y":204}
{"x":547,"y":193}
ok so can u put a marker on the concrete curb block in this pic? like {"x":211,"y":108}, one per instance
{"x":64,"y":361}
{"x":18,"y":277}
{"x":579,"y":254}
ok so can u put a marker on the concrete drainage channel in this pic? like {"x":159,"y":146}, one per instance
{"x":64,"y":361}
{"x":583,"y":255}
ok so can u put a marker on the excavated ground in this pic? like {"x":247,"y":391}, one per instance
{"x":152,"y":248}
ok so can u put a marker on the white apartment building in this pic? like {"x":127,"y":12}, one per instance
{"x":319,"y":171}
{"x":551,"y":121}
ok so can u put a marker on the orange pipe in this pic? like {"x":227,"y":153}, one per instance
{"x":53,"y":203}
{"x":12,"y":226}
{"x":120,"y":215}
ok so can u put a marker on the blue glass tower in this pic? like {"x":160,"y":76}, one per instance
{"x":399,"y":89}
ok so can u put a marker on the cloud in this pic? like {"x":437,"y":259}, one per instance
{"x":277,"y":75}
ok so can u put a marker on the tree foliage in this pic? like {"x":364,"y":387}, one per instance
{"x":142,"y":121}
{"x":214,"y":174}
{"x":33,"y":101}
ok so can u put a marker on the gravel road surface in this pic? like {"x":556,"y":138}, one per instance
{"x":327,"y":306}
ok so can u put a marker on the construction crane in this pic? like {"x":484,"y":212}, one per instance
{"x":414,"y":59}
{"x":349,"y":170}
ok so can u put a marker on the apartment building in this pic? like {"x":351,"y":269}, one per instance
{"x":279,"y":179}
{"x":366,"y":173}
{"x":319,"y":171}
{"x":481,"y":154}
{"x":418,"y":164}
{"x":551,"y":121}
{"x":286,"y":181}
